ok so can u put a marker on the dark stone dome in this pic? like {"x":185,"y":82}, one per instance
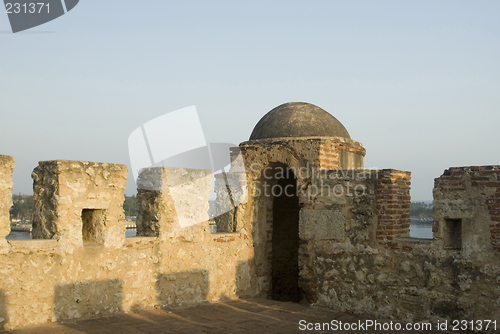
{"x":298,"y":119}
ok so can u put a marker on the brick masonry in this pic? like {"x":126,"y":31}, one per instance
{"x":353,"y":250}
{"x":473,"y":195}
{"x":393,"y":205}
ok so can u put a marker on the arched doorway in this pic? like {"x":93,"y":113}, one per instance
{"x":285,"y":239}
{"x":275,"y":233}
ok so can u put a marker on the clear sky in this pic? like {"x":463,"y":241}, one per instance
{"x":417,"y":82}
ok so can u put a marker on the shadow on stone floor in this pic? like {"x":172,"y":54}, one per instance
{"x":88,"y":299}
{"x":230,"y":316}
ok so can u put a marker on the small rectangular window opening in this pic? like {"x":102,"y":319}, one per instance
{"x":93,"y":221}
{"x":453,"y":233}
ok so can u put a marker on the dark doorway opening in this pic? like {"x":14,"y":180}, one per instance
{"x":285,"y":239}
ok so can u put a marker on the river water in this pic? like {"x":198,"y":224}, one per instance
{"x":421,"y":228}
{"x":418,"y":229}
{"x":27,"y":235}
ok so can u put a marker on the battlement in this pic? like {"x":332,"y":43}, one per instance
{"x":79,"y":201}
{"x":6,"y":186}
{"x":80,"y":265}
{"x":467,"y":209}
{"x":289,"y":230}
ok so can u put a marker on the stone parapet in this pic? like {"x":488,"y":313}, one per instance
{"x":6,"y":186}
{"x":338,"y":239}
{"x":75,"y":275}
{"x":78,"y":201}
{"x":232,"y":191}
{"x":171,"y":198}
{"x":467,"y":209}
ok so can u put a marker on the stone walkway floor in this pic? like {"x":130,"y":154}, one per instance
{"x":240,"y":316}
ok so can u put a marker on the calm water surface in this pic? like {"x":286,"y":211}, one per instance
{"x":418,"y":229}
{"x":421,"y":229}
{"x":27,"y":235}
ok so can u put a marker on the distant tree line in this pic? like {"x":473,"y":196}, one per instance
{"x":23,"y":207}
{"x":421,"y":210}
{"x":130,"y":206}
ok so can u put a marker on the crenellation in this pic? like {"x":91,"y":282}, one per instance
{"x":298,"y":219}
{"x":170,"y":199}
{"x":78,"y":201}
{"x":6,"y":185}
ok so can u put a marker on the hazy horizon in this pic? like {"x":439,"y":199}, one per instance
{"x":417,"y":83}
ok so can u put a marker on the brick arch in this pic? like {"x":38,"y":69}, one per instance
{"x":256,"y":163}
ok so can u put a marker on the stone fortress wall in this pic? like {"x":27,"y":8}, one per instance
{"x":340,"y":239}
{"x":355,"y":253}
{"x":377,"y":269}
{"x":84,"y":267}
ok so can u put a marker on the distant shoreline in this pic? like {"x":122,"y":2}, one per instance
{"x":415,"y":221}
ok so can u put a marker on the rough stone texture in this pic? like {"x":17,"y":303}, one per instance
{"x":6,"y":185}
{"x":406,"y":278}
{"x":77,"y":201}
{"x":415,"y":281}
{"x":375,"y":268}
{"x":41,"y":281}
{"x":308,"y":158}
{"x":298,"y":119}
{"x":351,"y":194}
{"x":231,"y":190}
{"x":322,"y":224}
{"x":343,"y":260}
{"x":468,"y":197}
{"x":171,"y":198}
{"x":305,"y":156}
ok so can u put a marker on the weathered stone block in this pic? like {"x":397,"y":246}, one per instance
{"x":322,"y":224}
{"x":465,"y":197}
{"x":79,"y":200}
{"x":6,"y":185}
{"x":231,"y":190}
{"x":88,"y":299}
{"x":171,"y":198}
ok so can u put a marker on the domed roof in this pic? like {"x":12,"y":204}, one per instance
{"x":298,"y":119}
